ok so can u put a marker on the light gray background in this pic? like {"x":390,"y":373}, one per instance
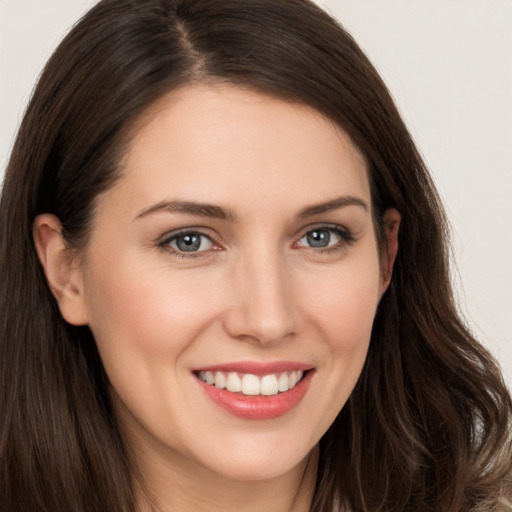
{"x":448,"y":63}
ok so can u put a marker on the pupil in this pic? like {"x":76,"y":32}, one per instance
{"x":189,"y":243}
{"x":319,"y":238}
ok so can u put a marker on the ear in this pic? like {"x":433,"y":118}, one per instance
{"x":391,"y":225}
{"x":61,"y":268}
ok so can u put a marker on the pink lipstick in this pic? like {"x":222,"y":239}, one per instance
{"x":253,"y":390}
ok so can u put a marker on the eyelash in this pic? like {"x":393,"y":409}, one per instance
{"x":165,"y":243}
{"x":346,"y":238}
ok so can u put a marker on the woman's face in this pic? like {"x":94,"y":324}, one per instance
{"x":237,"y":248}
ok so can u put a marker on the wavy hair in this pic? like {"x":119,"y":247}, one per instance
{"x":428,"y":426}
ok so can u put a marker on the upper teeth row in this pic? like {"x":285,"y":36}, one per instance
{"x":250,"y":384}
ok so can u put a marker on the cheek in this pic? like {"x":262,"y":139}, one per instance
{"x":356,"y":305}
{"x":143,"y":312}
{"x":344,"y":308}
{"x":339,"y":317}
{"x":343,"y":312}
{"x":143,"y":318}
{"x":347,"y":335}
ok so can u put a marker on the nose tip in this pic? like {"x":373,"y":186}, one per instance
{"x":262,"y":307}
{"x":267,"y":330}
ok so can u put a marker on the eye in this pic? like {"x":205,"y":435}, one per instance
{"x":189,"y":242}
{"x":323,"y":237}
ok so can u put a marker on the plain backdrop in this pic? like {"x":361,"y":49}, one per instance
{"x":448,"y":64}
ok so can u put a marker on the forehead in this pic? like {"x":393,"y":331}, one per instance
{"x":230,"y":144}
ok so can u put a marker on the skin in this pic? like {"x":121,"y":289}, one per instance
{"x":257,"y":292}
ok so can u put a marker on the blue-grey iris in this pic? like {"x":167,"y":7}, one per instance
{"x":188,"y":243}
{"x":319,"y":238}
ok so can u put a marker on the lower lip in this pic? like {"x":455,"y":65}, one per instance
{"x":258,"y":407}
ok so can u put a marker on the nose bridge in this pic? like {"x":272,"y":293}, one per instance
{"x":263,"y":302}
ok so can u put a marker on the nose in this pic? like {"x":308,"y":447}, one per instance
{"x":262,"y":303}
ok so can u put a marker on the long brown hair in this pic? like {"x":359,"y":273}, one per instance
{"x":428,"y":426}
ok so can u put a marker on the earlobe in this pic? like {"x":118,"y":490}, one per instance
{"x":391,"y":225}
{"x":60,"y":267}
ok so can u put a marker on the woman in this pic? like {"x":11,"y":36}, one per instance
{"x":235,"y":268}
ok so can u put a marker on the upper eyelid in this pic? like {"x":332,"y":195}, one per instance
{"x":169,"y":235}
{"x":322,"y":225}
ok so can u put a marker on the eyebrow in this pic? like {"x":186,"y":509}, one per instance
{"x":334,"y":204}
{"x":217,"y":212}
{"x":189,"y":208}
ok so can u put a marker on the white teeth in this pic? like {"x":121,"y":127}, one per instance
{"x":283,"y":383}
{"x":269,"y":385}
{"x":234,"y":383}
{"x":250,"y":384}
{"x":220,"y":380}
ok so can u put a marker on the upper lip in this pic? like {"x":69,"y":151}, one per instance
{"x":256,"y":367}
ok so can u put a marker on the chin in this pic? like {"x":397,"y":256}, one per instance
{"x":257,"y":460}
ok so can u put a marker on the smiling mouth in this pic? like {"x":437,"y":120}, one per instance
{"x":252,"y":385}
{"x":256,"y":391}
